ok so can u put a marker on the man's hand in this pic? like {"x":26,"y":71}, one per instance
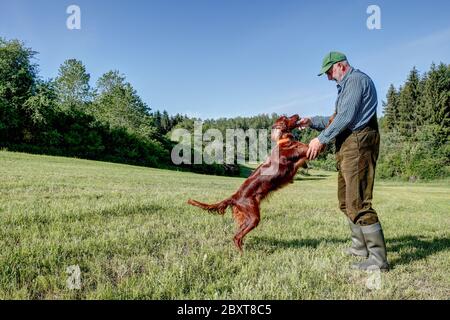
{"x":314,"y":149}
{"x":304,"y":123}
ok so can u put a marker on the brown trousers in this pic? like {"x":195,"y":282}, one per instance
{"x":356,"y":160}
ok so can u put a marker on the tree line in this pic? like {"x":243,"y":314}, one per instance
{"x":110,"y":122}
{"x":415,"y":126}
{"x":66,"y":116}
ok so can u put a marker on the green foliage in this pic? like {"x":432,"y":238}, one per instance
{"x":118,"y":104}
{"x":415,"y":139}
{"x":59,"y":118}
{"x":17,"y":84}
{"x":390,"y":163}
{"x":111,"y":122}
{"x":72,"y":86}
{"x":409,"y":104}
{"x":422,"y":157}
{"x":40,"y":107}
{"x":325,"y":162}
{"x":436,"y":98}
{"x":391,"y":109}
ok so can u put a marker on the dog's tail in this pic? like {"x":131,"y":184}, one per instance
{"x":217,"y":207}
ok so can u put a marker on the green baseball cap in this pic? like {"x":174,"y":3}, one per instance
{"x":330,"y":59}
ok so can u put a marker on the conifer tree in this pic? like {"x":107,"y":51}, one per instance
{"x":391,"y":111}
{"x":408,"y":104}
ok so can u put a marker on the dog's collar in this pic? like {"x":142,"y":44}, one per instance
{"x":281,"y":141}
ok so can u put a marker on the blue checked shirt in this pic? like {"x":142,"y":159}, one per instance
{"x":356,"y":103}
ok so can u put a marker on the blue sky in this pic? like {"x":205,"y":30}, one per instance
{"x":227,"y":58}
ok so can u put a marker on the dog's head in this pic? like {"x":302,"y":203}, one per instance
{"x":283,"y":126}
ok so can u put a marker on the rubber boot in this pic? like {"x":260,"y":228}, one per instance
{"x":358,"y":247}
{"x":374,"y":238}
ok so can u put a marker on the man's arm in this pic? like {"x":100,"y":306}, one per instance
{"x":319,"y":123}
{"x":350,"y":102}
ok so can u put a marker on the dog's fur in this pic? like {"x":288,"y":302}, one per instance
{"x":278,"y":170}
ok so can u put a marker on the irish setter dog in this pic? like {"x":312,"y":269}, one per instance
{"x":278,"y":170}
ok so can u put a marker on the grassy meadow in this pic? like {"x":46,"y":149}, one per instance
{"x":133,"y":236}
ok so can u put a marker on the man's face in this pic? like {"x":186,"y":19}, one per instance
{"x":330,"y":73}
{"x":337,"y":72}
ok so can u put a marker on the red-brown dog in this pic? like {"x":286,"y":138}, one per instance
{"x":278,"y":170}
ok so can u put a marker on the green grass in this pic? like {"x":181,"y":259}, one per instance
{"x":133,"y":236}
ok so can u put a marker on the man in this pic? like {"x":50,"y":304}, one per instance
{"x":355,"y":130}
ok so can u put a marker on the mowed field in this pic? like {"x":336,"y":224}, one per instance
{"x":132,"y":235}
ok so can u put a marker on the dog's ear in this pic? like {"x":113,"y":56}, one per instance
{"x":293,"y":122}
{"x":281,"y":122}
{"x":282,"y":119}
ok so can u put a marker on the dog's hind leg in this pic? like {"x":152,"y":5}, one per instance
{"x":239,"y":217}
{"x":252,"y":218}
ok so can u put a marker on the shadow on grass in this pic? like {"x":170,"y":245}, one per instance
{"x":127,"y":210}
{"x":316,"y":175}
{"x":412,"y":248}
{"x":308,"y":176}
{"x":245,"y":172}
{"x":264,"y":242}
{"x":409,"y":248}
{"x":313,"y":178}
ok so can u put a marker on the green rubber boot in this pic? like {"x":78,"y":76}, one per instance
{"x":374,"y":238}
{"x":358,"y":247}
